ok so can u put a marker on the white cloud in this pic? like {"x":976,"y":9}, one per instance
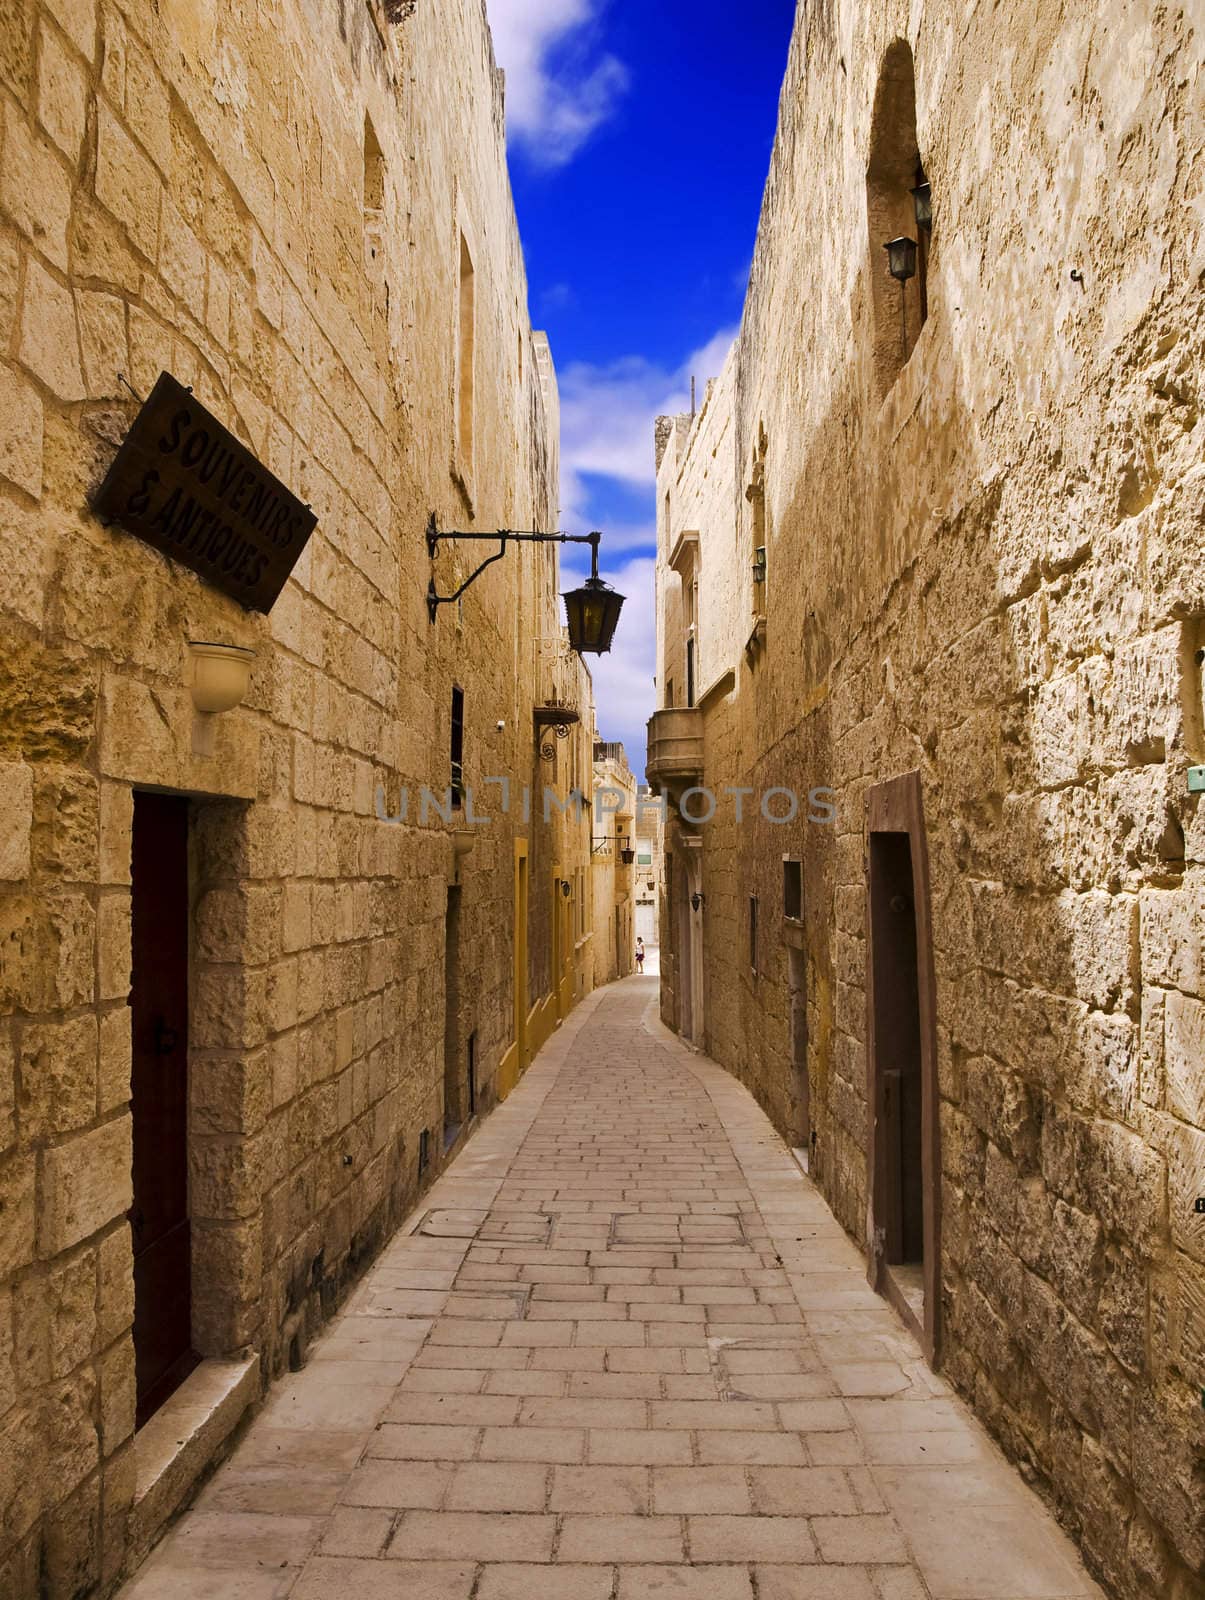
{"x":608,"y":412}
{"x":559,"y":86}
{"x":557,"y":297}
{"x":622,"y":538}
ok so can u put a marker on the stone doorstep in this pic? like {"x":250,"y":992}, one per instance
{"x":176,"y":1448}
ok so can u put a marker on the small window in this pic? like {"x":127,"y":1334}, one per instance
{"x":669,"y":694}
{"x":374,"y":171}
{"x":753,"y":934}
{"x":755,"y":494}
{"x":374,"y":197}
{"x":465,"y":373}
{"x":472,"y":1074}
{"x":424,"y":1151}
{"x":457,"y":747}
{"x":690,"y":672}
{"x":792,"y":890}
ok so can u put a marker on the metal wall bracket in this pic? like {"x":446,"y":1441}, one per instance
{"x":503,"y":537}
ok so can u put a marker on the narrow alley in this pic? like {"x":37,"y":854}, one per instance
{"x":621,"y":1350}
{"x":602,"y":800}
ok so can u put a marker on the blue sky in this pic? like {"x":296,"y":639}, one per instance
{"x":640,"y":135}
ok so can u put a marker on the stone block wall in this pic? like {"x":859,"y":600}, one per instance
{"x":614,"y":881}
{"x":984,"y":566}
{"x":649,"y":877}
{"x":276,"y":204}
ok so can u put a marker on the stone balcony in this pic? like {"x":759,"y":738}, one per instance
{"x":675,"y":749}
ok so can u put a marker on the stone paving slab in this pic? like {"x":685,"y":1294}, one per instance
{"x":622,"y":1351}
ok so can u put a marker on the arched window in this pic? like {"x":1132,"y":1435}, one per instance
{"x":898,"y":216}
{"x":755,"y":494}
{"x":466,"y":374}
{"x":374,"y":203}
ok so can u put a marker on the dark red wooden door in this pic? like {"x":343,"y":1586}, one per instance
{"x":159,"y":1002}
{"x":897,"y":1047}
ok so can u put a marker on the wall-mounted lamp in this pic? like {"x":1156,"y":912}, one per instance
{"x":219,"y":675}
{"x":627,"y":856}
{"x":922,"y":200}
{"x":697,"y":901}
{"x":592,"y":611}
{"x":901,"y":261}
{"x":901,"y":258}
{"x":566,"y":888}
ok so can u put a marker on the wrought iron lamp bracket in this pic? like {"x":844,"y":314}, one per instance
{"x":503,"y":536}
{"x":602,"y":845}
{"x":562,"y":730}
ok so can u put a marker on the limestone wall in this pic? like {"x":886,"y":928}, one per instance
{"x":612,"y":830}
{"x":275,"y":203}
{"x":650,"y":864}
{"x":983,"y":564}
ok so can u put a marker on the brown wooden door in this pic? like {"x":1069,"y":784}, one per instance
{"x":897,"y":1047}
{"x":159,"y":1001}
{"x":801,"y":1098}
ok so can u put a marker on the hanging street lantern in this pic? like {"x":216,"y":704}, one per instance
{"x":922,"y":201}
{"x":592,"y":611}
{"x":901,"y":258}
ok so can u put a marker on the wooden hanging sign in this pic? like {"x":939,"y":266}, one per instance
{"x":183,"y":483}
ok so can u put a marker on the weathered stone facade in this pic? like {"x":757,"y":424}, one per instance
{"x":650,"y":864}
{"x":302,"y":211}
{"x":613,"y":935}
{"x":980,"y":498}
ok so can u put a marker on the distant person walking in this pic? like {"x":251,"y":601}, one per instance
{"x":640,"y":955}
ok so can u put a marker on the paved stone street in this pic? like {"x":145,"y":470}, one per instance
{"x":623,"y":1352}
